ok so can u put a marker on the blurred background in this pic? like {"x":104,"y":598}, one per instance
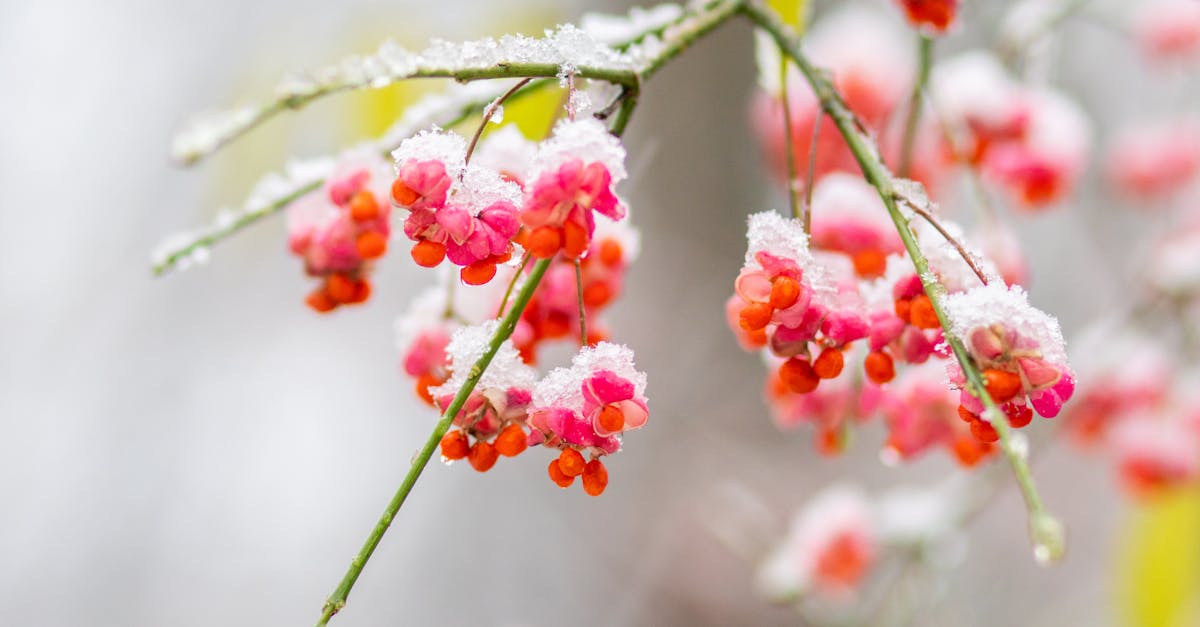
{"x":201,"y":449}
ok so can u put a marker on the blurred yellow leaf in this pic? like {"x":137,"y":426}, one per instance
{"x":794,"y":12}
{"x":1158,"y":569}
{"x":372,"y":111}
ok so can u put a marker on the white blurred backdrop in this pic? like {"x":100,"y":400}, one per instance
{"x":201,"y":449}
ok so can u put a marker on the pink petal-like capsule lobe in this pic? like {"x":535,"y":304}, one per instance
{"x":753,"y":286}
{"x":1039,"y":373}
{"x":844,"y":327}
{"x":985,"y":344}
{"x":885,"y":329}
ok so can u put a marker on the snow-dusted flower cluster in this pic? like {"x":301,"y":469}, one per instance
{"x":470,"y":214}
{"x":341,"y":229}
{"x":1033,"y":142}
{"x":1020,"y":350}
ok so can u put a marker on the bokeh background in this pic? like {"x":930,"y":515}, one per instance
{"x":201,"y":449}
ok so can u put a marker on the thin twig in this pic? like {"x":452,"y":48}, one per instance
{"x":337,"y":600}
{"x":788,"y":141}
{"x":582,"y":314}
{"x":487,"y":116}
{"x":953,"y":241}
{"x":1046,"y":531}
{"x":908,"y":141}
{"x":810,"y":177}
{"x":511,"y":284}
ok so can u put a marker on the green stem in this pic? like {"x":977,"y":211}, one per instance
{"x":908,"y":141}
{"x":788,"y":141}
{"x":1045,"y":530}
{"x":512,"y":284}
{"x":244,"y":219}
{"x":337,"y":600}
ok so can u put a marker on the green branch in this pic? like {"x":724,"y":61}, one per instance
{"x":1046,"y":531}
{"x":908,"y":141}
{"x":337,"y":600}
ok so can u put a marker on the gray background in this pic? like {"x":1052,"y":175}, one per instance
{"x":202,"y":450}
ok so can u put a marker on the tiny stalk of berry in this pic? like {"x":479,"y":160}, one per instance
{"x":583,"y":341}
{"x":908,"y":141}
{"x":337,"y":600}
{"x":953,"y":241}
{"x":790,"y":146}
{"x":1046,"y":531}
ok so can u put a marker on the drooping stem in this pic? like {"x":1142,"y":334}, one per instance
{"x":810,"y":177}
{"x":337,"y":600}
{"x":487,"y":116}
{"x":583,"y":341}
{"x":908,"y":141}
{"x":1045,"y":530}
{"x":953,"y":241}
{"x":788,"y":142}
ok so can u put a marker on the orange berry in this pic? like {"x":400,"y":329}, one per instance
{"x":363,"y":206}
{"x":611,"y":419}
{"x":544,"y":242}
{"x":571,"y":462}
{"x":984,"y":431}
{"x":597,"y":294}
{"x":785,"y":291}
{"x":558,"y":476}
{"x":455,"y":445}
{"x":970,"y":451}
{"x":428,"y":254}
{"x":522,"y":238}
{"x":798,"y":375}
{"x":362,"y":291}
{"x":611,"y":253}
{"x":921,"y":313}
{"x":511,"y":441}
{"x":829,"y":363}
{"x":482,"y":456}
{"x":321,"y":301}
{"x":1001,"y":385}
{"x":595,"y":478}
{"x":967,"y":415}
{"x":757,"y":338}
{"x":755,"y":316}
{"x":478,"y":273}
{"x":425,"y":382}
{"x":869,"y":264}
{"x":1024,"y":416}
{"x":403,"y":194}
{"x":903,"y":308}
{"x":879,"y":367}
{"x":340,"y":287}
{"x":575,"y":240}
{"x":370,"y":244}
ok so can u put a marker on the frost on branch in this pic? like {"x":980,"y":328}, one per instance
{"x":565,"y":47}
{"x":271,"y":193}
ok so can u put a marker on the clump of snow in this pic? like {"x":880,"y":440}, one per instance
{"x":585,"y":139}
{"x":563,"y":387}
{"x":1009,"y":306}
{"x":616,"y":29}
{"x":776,"y":235}
{"x":468,"y":345}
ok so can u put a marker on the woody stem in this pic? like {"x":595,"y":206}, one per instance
{"x":1046,"y":531}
